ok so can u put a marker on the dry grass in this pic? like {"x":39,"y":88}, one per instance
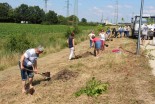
{"x":128,"y":75}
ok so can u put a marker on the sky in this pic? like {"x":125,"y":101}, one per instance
{"x":93,"y":10}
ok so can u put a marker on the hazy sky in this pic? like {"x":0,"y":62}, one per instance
{"x":92,"y":10}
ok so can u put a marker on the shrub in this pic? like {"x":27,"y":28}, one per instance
{"x":100,"y":27}
{"x":76,"y":30}
{"x":68,"y":32}
{"x":18,"y":43}
{"x":93,"y":88}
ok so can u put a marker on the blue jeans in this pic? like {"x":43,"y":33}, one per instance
{"x":25,"y":73}
{"x":127,"y":33}
{"x":90,"y":43}
{"x":98,"y":45}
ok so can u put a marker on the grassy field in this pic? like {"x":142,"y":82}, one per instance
{"x":16,"y":38}
{"x":129,"y":77}
{"x":37,"y":29}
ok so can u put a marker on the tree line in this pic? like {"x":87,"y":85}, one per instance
{"x":36,"y":15}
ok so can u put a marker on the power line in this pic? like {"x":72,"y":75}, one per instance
{"x":76,"y":11}
{"x":116,"y":12}
{"x":45,"y":6}
{"x":102,"y":18}
{"x":67,"y":8}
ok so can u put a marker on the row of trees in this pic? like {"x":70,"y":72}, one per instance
{"x":35,"y":15}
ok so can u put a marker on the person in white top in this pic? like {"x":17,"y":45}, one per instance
{"x":90,"y":37}
{"x":28,"y":65}
{"x":103,"y":38}
{"x":153,"y":41}
{"x":145,"y":30}
{"x":125,"y":31}
{"x":128,"y":30}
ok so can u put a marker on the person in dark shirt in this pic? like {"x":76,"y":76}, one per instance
{"x":114,"y":32}
{"x":71,"y":45}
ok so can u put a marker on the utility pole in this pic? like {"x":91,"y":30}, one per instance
{"x":116,"y":12}
{"x":76,"y":11}
{"x":67,"y":8}
{"x":45,"y":6}
{"x":102,"y":18}
{"x":140,"y":23}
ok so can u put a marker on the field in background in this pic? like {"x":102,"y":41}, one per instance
{"x":17,"y":37}
{"x":35,"y":29}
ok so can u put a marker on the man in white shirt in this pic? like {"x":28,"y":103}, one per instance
{"x":28,"y":65}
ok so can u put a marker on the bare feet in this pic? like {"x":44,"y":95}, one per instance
{"x":24,"y":91}
{"x":31,"y":86}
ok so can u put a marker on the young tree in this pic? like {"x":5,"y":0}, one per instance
{"x":122,"y":20}
{"x":83,"y":20}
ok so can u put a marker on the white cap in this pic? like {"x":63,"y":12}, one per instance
{"x":40,"y":48}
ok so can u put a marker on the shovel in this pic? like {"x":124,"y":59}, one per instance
{"x":46,"y":75}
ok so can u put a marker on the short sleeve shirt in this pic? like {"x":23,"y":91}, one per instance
{"x":145,"y":30}
{"x":102,"y":36}
{"x":30,"y":57}
{"x":95,"y":40}
{"x":90,"y":35}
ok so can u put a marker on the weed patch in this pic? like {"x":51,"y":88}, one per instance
{"x":93,"y":88}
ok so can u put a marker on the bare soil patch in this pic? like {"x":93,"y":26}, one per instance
{"x":65,"y":75}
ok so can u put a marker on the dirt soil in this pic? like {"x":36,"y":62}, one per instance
{"x":131,"y":80}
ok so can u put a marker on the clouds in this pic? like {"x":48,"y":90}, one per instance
{"x":149,"y":10}
{"x":110,"y":6}
{"x":96,"y":10}
{"x":127,"y":6}
{"x":109,"y":12}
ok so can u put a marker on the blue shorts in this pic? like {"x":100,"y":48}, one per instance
{"x":26,"y":74}
{"x":98,"y":45}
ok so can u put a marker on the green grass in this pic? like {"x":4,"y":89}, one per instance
{"x":34,"y":29}
{"x":93,"y":88}
{"x":16,"y":38}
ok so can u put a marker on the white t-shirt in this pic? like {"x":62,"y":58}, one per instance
{"x":145,"y":30}
{"x":30,"y":57}
{"x":90,"y":35}
{"x":102,"y":36}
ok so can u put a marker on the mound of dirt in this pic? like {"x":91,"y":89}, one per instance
{"x":77,"y":56}
{"x":86,"y":54}
{"x":65,"y":75}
